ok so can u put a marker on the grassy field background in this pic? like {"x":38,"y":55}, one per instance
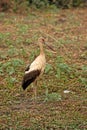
{"x":55,"y":108}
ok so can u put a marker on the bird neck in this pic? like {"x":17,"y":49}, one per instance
{"x":41,"y":48}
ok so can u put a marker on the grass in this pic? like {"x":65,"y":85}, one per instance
{"x":65,"y":70}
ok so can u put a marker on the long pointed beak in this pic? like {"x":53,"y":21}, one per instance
{"x":51,"y":48}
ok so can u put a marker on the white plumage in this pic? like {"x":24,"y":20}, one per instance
{"x":37,"y":64}
{"x":36,"y":68}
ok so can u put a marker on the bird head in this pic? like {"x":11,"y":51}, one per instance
{"x":44,"y":41}
{"x":41,"y":40}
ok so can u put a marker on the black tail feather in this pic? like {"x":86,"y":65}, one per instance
{"x":29,"y":78}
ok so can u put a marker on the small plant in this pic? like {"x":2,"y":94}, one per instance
{"x":11,"y":66}
{"x":63,"y":41}
{"x":22,"y":52}
{"x":22,"y":28}
{"x":32,"y":56}
{"x":1,"y":68}
{"x":48,"y":68}
{"x":83,"y":76}
{"x":40,"y":3}
{"x":2,"y":15}
{"x":51,"y":96}
{"x":83,"y":81}
{"x":11,"y":81}
{"x":10,"y":70}
{"x":62,"y":68}
{"x":28,"y":41}
{"x":1,"y":35}
{"x":17,"y":62}
{"x":84,"y":68}
{"x":12,"y":51}
{"x":7,"y":67}
{"x":8,"y":42}
{"x":76,"y":2}
{"x":4,"y":37}
{"x":19,"y":40}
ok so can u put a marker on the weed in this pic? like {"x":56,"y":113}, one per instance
{"x":19,"y":40}
{"x":62,"y":41}
{"x":22,"y":52}
{"x":4,"y":37}
{"x":84,"y":68}
{"x":17,"y":62}
{"x":11,"y":81}
{"x":2,"y":15}
{"x":32,"y":56}
{"x":22,"y":29}
{"x":12,"y":52}
{"x":83,"y":81}
{"x":1,"y":36}
{"x":28,"y":41}
{"x":61,"y":67}
{"x":10,"y":70}
{"x":10,"y":67}
{"x":48,"y":69}
{"x":3,"y":56}
{"x":8,"y":42}
{"x":64,"y":67}
{"x":53,"y":96}
{"x":1,"y":68}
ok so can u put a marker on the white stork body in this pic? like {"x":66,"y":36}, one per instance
{"x":36,"y":68}
{"x":38,"y":64}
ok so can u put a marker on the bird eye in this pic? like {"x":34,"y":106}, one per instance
{"x":43,"y":40}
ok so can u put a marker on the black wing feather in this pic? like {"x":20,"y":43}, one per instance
{"x":29,"y":78}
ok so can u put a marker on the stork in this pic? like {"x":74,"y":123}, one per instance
{"x":36,"y":68}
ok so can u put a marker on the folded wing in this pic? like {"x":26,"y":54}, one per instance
{"x":29,"y":78}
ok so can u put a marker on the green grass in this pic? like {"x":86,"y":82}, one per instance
{"x":65,"y":70}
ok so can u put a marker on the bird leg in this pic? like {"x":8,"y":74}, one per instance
{"x":35,"y":89}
